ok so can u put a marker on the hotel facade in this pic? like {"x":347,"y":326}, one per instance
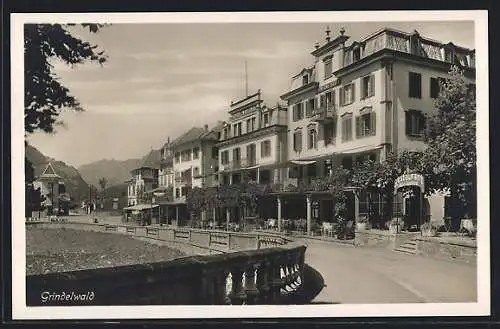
{"x":364,"y":99}
{"x":253,"y":142}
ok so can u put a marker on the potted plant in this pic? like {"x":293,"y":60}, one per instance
{"x":428,"y":230}
{"x":396,"y":225}
{"x":362,"y":223}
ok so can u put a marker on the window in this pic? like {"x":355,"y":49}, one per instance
{"x":347,"y":128}
{"x":226,"y":133}
{"x":368,"y":86}
{"x":186,"y":155}
{"x":184,"y":190}
{"x":196,"y":171}
{"x":177,"y":157}
{"x":305,"y":79}
{"x":297,"y":141}
{"x":177,"y":192}
{"x":328,"y":68}
{"x":347,"y":94}
{"x":309,"y":107}
{"x":219,"y":135}
{"x":224,"y":157}
{"x":329,"y":133}
{"x":415,"y":123}
{"x":251,"y":154}
{"x":265,"y":119}
{"x":215,"y":152}
{"x":311,"y":138}
{"x":196,"y":153}
{"x":434,"y":88}
{"x":297,"y":112}
{"x":415,"y":85}
{"x":366,"y":125}
{"x":236,"y":155}
{"x":330,"y":99}
{"x":250,"y":125}
{"x":356,"y":54}
{"x":265,"y":149}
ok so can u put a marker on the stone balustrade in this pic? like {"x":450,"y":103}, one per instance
{"x":237,"y":268}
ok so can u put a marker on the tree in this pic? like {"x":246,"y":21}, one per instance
{"x":334,"y":184}
{"x":45,"y":96}
{"x":450,"y":156}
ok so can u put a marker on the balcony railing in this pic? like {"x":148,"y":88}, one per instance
{"x":324,"y":114}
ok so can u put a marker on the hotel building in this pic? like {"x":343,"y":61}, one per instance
{"x":253,"y":142}
{"x":195,"y":160}
{"x":366,"y":98}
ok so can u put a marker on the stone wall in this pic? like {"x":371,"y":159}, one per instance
{"x":261,"y":269}
{"x":447,"y":250}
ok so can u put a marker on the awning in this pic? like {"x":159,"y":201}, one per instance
{"x":362,"y":149}
{"x":303,"y":162}
{"x":140,"y":207}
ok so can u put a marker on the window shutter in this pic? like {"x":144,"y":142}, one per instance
{"x":373,"y":118}
{"x":299,"y":136}
{"x":364,"y":93}
{"x":408,"y":123}
{"x":262,"y":145}
{"x":371,"y":89}
{"x":322,"y":100}
{"x":294,"y":113}
{"x":358,"y":127}
{"x":353,"y":88}
{"x":342,"y":96}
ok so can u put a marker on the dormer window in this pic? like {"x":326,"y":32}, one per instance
{"x":356,"y":54}
{"x":328,"y":68}
{"x":305,"y":79}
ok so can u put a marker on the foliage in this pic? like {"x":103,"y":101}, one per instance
{"x":450,"y":135}
{"x":45,"y":96}
{"x":334,"y":184}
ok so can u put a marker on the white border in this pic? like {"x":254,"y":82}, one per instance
{"x":19,"y":309}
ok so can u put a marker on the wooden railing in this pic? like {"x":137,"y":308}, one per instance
{"x":237,"y":268}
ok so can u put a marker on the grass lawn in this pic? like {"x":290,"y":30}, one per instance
{"x":60,"y":250}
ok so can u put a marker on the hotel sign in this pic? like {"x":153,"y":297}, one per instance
{"x":409,"y":180}
{"x":329,"y":85}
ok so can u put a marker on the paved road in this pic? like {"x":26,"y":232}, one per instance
{"x":369,"y":275}
{"x":373,"y":275}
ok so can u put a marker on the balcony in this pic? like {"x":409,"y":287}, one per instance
{"x":324,"y":114}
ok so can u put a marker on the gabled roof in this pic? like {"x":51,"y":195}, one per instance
{"x":49,"y":172}
{"x":195,"y":134}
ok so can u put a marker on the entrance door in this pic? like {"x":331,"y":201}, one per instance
{"x":413,"y":208}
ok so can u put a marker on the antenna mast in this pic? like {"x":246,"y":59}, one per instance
{"x":246,"y":79}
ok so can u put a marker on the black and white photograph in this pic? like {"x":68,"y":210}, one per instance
{"x":250,"y":165}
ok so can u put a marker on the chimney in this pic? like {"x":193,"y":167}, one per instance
{"x":168,"y":140}
{"x":206,"y":128}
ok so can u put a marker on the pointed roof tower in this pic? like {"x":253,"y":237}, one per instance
{"x":49,"y":173}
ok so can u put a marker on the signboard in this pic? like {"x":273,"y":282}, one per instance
{"x":409,"y":180}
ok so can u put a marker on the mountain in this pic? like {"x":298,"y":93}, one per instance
{"x":75,"y":184}
{"x":115,"y":171}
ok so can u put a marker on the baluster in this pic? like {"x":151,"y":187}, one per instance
{"x":275,"y":279}
{"x":237,"y":295}
{"x":220,"y":288}
{"x":251,"y":290}
{"x":262,"y":282}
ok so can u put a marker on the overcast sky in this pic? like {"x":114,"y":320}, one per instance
{"x":162,"y":79}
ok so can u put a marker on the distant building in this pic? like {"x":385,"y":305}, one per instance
{"x":51,"y":187}
{"x":144,"y":179}
{"x":195,"y":160}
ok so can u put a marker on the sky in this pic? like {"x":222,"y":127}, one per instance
{"x":162,"y":79}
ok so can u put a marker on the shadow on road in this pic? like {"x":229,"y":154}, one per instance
{"x":313,"y":284}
